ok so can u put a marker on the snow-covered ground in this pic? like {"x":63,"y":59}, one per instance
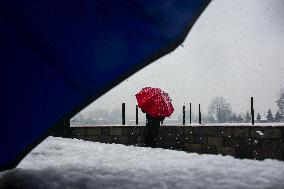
{"x":71,"y":163}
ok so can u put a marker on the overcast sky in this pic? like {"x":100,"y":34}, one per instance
{"x":235,"y":50}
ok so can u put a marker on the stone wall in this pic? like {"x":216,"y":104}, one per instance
{"x":253,"y":142}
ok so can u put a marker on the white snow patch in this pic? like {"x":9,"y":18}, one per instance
{"x":60,"y":163}
{"x":259,"y":132}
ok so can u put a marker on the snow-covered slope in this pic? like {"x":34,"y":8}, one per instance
{"x":70,"y":163}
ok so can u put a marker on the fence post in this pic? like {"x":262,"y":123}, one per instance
{"x":123,"y":113}
{"x":190,"y":113}
{"x":252,"y":110}
{"x":199,"y":114}
{"x":183,"y":115}
{"x":136,"y":115}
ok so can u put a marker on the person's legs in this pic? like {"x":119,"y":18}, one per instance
{"x":152,"y":133}
{"x":150,"y":138}
{"x":156,"y":133}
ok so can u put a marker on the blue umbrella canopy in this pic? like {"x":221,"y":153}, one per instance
{"x":57,"y":56}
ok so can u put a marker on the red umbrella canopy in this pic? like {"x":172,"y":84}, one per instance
{"x":155,"y":102}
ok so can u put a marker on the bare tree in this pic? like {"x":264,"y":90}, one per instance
{"x":280,"y":103}
{"x":219,"y":110}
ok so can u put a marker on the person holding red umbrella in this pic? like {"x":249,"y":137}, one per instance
{"x":157,"y":105}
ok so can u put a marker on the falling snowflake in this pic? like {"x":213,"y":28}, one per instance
{"x":259,"y":132}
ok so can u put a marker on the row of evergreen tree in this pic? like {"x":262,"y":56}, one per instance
{"x":270,"y":118}
{"x":247,"y":118}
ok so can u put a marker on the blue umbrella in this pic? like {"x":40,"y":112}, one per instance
{"x":57,"y":56}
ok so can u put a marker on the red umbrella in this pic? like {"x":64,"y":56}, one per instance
{"x":155,"y":102}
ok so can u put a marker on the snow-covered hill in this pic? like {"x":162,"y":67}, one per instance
{"x":70,"y":163}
